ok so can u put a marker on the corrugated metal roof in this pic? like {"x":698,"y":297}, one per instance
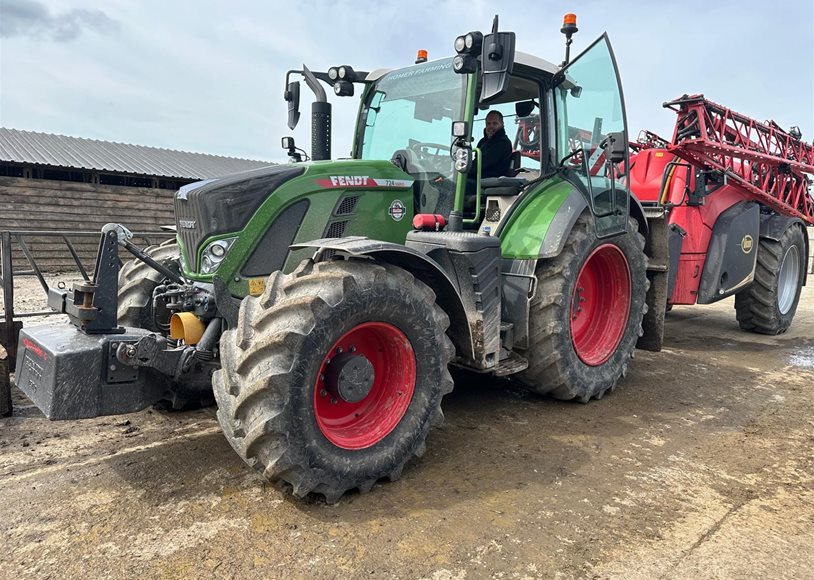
{"x":61,"y":151}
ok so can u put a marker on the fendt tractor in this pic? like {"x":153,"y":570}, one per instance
{"x":324,"y":301}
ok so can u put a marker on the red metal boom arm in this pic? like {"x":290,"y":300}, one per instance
{"x":760,"y":158}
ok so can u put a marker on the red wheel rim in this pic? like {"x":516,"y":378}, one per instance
{"x":600,"y":305}
{"x":357,"y":425}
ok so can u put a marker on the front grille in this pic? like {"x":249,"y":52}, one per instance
{"x":347,"y":205}
{"x":336,"y":230}
{"x":190,"y":237}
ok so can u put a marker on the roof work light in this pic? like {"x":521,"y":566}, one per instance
{"x":468,"y":47}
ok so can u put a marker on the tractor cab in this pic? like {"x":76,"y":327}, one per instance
{"x":406,"y":116}
{"x":567,"y":120}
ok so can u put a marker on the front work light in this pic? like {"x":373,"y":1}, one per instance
{"x":473,"y":42}
{"x":346,"y":73}
{"x":343,"y":89}
{"x":460,"y":129}
{"x":469,"y":43}
{"x":464,"y":64}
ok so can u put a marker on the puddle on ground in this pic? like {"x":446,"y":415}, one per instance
{"x":803,"y":358}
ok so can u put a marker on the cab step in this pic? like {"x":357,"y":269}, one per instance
{"x":513,"y":363}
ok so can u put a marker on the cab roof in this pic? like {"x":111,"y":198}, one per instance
{"x":521,"y":58}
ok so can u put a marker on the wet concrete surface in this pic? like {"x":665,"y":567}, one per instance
{"x":700,"y":465}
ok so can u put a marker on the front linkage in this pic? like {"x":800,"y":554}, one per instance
{"x":94,"y":366}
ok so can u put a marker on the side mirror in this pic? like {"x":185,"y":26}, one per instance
{"x":497,"y":62}
{"x":289,"y":145}
{"x":524,"y":108}
{"x":292,"y":96}
{"x":615,"y":146}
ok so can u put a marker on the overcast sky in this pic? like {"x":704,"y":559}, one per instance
{"x":208,"y":76}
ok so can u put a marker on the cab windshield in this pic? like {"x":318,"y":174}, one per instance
{"x":410,"y":112}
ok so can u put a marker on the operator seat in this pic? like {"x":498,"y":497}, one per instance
{"x":516,"y":158}
{"x":504,"y":185}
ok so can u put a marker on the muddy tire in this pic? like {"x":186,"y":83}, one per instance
{"x":586,"y":314}
{"x":137,"y":281}
{"x":334,"y":376}
{"x":769,"y":304}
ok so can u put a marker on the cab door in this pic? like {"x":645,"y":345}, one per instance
{"x":590,"y":111}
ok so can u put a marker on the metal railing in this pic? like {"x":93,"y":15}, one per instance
{"x":11,"y":323}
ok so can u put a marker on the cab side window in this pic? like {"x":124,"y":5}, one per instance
{"x":522,"y":123}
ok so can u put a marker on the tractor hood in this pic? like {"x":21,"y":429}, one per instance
{"x":225,"y":204}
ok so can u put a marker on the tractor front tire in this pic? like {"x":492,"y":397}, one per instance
{"x":137,"y":281}
{"x":334,"y":376}
{"x":586,"y":314}
{"x":769,"y":304}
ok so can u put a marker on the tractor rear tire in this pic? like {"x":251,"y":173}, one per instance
{"x":769,"y":304}
{"x":281,"y":404}
{"x":586,"y":314}
{"x":137,"y":281}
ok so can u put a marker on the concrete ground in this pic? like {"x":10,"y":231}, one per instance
{"x":699,"y":466}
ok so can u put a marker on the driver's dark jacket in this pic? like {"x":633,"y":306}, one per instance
{"x":496,"y":155}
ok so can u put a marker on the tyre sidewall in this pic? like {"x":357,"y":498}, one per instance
{"x":793,"y":236}
{"x":605,"y":375}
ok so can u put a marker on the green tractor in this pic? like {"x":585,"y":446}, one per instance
{"x":324,"y":301}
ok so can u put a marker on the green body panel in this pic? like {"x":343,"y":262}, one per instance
{"x":371,"y":216}
{"x":522,"y":236}
{"x":469,"y":115}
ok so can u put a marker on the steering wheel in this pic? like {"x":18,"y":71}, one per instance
{"x":426,"y":151}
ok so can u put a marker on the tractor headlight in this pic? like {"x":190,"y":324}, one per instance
{"x":214,"y":254}
{"x":462,"y":157}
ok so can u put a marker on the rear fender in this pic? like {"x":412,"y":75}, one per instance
{"x":773,"y":226}
{"x":552,"y":238}
{"x":729,"y":266}
{"x":557,"y":234}
{"x":419,"y":265}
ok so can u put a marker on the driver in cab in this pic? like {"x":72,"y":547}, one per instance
{"x":495,"y":149}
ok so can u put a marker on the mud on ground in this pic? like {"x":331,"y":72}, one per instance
{"x":699,"y":466}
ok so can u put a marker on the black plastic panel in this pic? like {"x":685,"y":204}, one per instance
{"x":473,"y":261}
{"x":730,"y":263}
{"x":270,"y":253}
{"x":675,"y":241}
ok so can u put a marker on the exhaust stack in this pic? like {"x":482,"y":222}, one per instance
{"x":320,"y":119}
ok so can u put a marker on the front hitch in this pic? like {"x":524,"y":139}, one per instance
{"x":92,"y":306}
